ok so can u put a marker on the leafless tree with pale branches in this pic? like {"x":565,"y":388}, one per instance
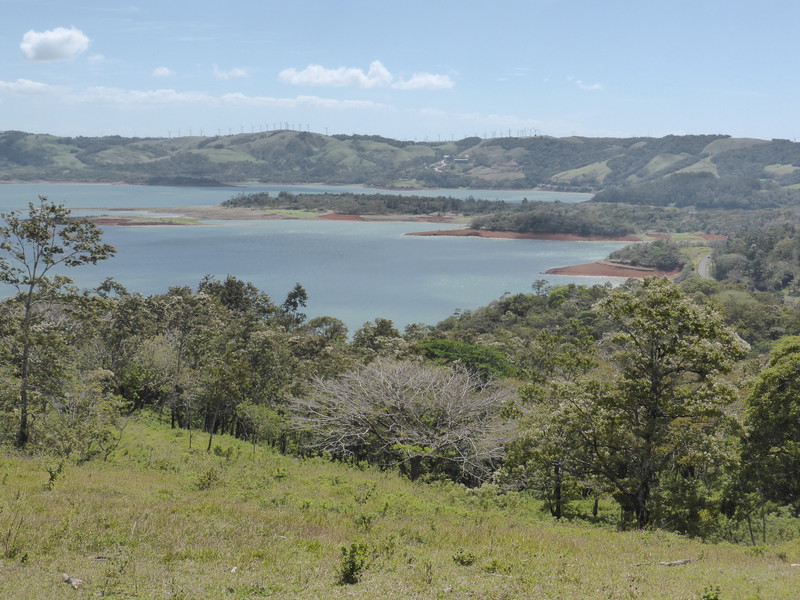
{"x":419,"y":417}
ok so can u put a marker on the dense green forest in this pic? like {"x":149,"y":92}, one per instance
{"x":703,"y":191}
{"x":367,"y":204}
{"x":676,"y":402}
{"x":738,"y":172}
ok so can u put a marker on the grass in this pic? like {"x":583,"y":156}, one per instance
{"x":146,"y":220}
{"x":594,"y":173}
{"x":161,"y":521}
{"x":780,"y":170}
{"x":288,"y":213}
{"x":663,"y":162}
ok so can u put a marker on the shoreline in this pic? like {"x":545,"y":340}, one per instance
{"x":246,"y":184}
{"x":515,"y":235}
{"x":225,"y":213}
{"x":222,"y":213}
{"x":608,"y":269}
{"x":594,"y":269}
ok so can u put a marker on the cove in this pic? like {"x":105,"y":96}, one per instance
{"x":354,"y":271}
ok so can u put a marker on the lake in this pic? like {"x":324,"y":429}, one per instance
{"x":354,"y":271}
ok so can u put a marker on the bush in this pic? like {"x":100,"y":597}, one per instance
{"x":354,"y":561}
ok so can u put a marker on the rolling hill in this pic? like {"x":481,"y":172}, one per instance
{"x":573,"y":163}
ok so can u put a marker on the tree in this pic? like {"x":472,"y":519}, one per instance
{"x":481,"y":360}
{"x":407,"y":414}
{"x":661,"y":414}
{"x":771,"y":450}
{"x":296,"y":299}
{"x":545,"y":456}
{"x":378,"y":338}
{"x":88,"y":418}
{"x":240,"y":297}
{"x":35,"y":246}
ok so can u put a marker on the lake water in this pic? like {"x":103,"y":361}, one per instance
{"x":355,"y":271}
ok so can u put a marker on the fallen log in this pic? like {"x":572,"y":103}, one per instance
{"x":675,"y":563}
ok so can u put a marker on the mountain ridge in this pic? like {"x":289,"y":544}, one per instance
{"x":289,"y":156}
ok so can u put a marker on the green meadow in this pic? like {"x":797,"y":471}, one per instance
{"x":161,"y":519}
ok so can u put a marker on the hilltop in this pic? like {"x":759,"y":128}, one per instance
{"x":286,"y":156}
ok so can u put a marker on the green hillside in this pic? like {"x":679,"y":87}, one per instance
{"x":574,"y":163}
{"x":159,"y":519}
{"x":574,"y":442}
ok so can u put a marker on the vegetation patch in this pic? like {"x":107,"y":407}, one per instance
{"x":211,"y":441}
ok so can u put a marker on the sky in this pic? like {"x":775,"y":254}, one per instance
{"x":413,"y":70}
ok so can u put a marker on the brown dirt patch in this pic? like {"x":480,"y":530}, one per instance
{"x":600,"y":269}
{"x":340,"y":217}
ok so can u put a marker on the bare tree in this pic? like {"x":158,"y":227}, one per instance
{"x":418,"y":417}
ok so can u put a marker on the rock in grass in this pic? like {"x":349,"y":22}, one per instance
{"x":73,"y":581}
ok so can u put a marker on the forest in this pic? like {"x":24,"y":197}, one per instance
{"x":678,"y":402}
{"x":367,"y":204}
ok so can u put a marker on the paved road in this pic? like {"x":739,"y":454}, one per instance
{"x":702,"y":266}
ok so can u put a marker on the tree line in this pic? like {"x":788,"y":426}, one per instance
{"x":368,"y":204}
{"x":703,"y":190}
{"x":674,"y":400}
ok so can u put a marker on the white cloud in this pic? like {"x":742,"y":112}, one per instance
{"x":55,"y":44}
{"x":170,"y":97}
{"x":163,"y":72}
{"x":26,"y":86}
{"x":164,"y":97}
{"x":425,"y":81}
{"x":316,"y":102}
{"x":589,"y":87}
{"x":107,"y":95}
{"x":231,"y":74}
{"x":377,"y":76}
{"x":239,"y":99}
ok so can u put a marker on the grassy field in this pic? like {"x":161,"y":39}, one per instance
{"x":158,"y":520}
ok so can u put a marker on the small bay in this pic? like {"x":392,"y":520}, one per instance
{"x":355,"y":271}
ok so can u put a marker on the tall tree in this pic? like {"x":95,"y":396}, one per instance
{"x":771,"y":451}
{"x":35,"y":246}
{"x":662,"y":411}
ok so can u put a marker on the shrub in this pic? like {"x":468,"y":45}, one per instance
{"x":354,"y":561}
{"x":463,"y":558}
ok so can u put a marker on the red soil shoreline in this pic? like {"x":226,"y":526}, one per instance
{"x":595,"y":269}
{"x":599,"y":269}
{"x":515,"y":235}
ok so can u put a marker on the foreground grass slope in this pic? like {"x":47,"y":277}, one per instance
{"x":158,"y":520}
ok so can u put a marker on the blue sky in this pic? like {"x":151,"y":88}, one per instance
{"x":416,"y":70}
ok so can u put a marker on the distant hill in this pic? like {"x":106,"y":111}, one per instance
{"x":573,"y":163}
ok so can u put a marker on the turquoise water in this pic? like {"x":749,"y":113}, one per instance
{"x":355,"y":271}
{"x":77,"y":196}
